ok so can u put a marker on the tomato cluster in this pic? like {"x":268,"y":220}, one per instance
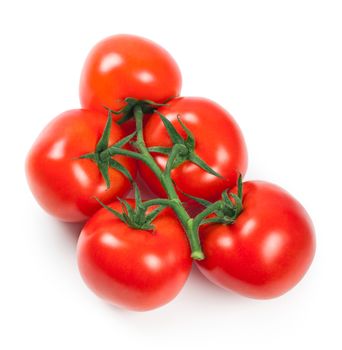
{"x":253,"y":237}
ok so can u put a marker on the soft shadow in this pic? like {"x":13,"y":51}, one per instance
{"x":203,"y":286}
{"x":198,"y":289}
{"x":145,"y":192}
{"x":71,"y":231}
{"x":199,"y":297}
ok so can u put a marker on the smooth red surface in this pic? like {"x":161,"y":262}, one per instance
{"x":219,"y":142}
{"x":123,"y":66}
{"x":266,"y":251}
{"x":64,"y":185}
{"x":134,"y":269}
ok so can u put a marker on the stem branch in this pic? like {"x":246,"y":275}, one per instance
{"x":166,"y":181}
{"x":190,"y":225}
{"x":207,"y":211}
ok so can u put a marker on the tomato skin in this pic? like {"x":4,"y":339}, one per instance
{"x":266,"y":251}
{"x":219,"y":142}
{"x":122,"y":66}
{"x":134,"y":269}
{"x":64,"y":185}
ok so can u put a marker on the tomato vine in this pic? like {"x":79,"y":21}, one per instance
{"x":183,"y":150}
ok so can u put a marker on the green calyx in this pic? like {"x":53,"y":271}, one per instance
{"x":185,"y":148}
{"x":127,"y":112}
{"x":231,"y":210}
{"x":135,"y":217}
{"x":226,"y":210}
{"x":103,"y":160}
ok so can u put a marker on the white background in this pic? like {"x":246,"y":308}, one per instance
{"x":276,"y":66}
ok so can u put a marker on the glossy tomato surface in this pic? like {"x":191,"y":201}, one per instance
{"x":64,"y":185}
{"x":266,"y":251}
{"x":122,"y":66}
{"x":219,"y":142}
{"x":130,"y":268}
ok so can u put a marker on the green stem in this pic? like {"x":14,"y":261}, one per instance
{"x":190,"y":226}
{"x":112,"y":151}
{"x":159,"y":201}
{"x":176,"y":150}
{"x":141,"y":146}
{"x":165,"y":179}
{"x":207,"y":211}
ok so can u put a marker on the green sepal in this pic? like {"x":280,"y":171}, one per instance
{"x":228,"y":210}
{"x":189,"y":143}
{"x":104,"y":170}
{"x":136,"y":217}
{"x":171,"y":130}
{"x":201,"y":201}
{"x":238,"y":204}
{"x":125,"y":140}
{"x":190,"y":140}
{"x":104,"y":161}
{"x":114,"y":212}
{"x":194,"y":158}
{"x":154,"y":213}
{"x":217,"y":220}
{"x":162,"y":150}
{"x":140,"y":217}
{"x":232,"y":210}
{"x":91,"y":156}
{"x":102,"y":145}
{"x":129,"y":215}
{"x":181,"y":155}
{"x":119,"y":167}
{"x":127,"y":208}
{"x":137,"y":195}
{"x":240,"y":186}
{"x":227,"y":201}
{"x":127,"y":111}
{"x":112,"y":111}
{"x":155,"y":104}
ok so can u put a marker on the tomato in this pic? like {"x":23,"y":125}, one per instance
{"x":219,"y":142}
{"x":266,"y":251}
{"x":64,"y":185}
{"x":122,"y":66}
{"x":131,"y":268}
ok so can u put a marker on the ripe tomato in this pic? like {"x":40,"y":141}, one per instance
{"x":131,"y":268}
{"x":219,"y":142}
{"x":122,"y":66}
{"x":266,"y":251}
{"x":64,"y":185}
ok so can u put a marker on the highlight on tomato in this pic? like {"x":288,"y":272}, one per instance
{"x":137,"y":262}
{"x":253,"y":238}
{"x":123,"y":66}
{"x":216,"y":150}
{"x":63,"y":183}
{"x":266,"y":250}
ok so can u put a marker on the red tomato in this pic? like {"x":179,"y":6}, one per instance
{"x":266,"y":251}
{"x":130,"y":268}
{"x":219,"y":142}
{"x":124,"y":66}
{"x":64,"y":185}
